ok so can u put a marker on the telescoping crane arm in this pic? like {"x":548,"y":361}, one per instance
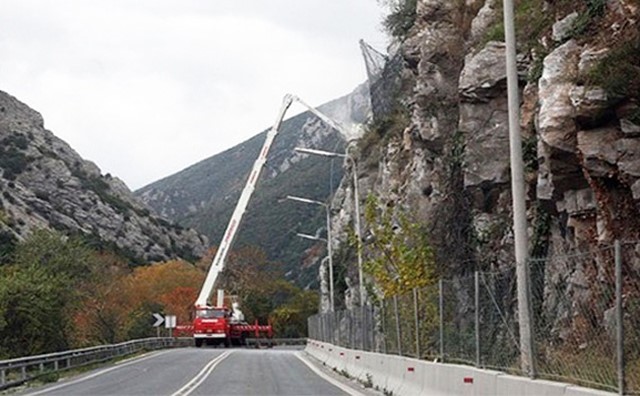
{"x":232,"y":228}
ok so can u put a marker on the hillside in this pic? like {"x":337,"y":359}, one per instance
{"x":204,"y":195}
{"x":45,"y":184}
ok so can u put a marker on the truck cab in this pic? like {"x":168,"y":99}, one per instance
{"x":211,"y":326}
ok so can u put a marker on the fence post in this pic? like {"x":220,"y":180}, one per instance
{"x":361,"y":328}
{"x":384,"y":328}
{"x":372,"y":326}
{"x":397,"y":314}
{"x":441,"y":312}
{"x":477,"y":315}
{"x":619,"y":319}
{"x":416,"y":318}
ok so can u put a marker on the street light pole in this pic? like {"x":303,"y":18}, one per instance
{"x":356,"y":199}
{"x":527,"y":361}
{"x":329,"y":248}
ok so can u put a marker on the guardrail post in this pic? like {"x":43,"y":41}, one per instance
{"x":619,"y":320}
{"x":3,"y":377}
{"x":23,"y":372}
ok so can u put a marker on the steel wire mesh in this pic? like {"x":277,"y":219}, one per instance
{"x":577,"y":338}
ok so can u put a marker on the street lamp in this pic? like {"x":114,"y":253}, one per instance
{"x":311,"y":237}
{"x":329,"y":249}
{"x":356,"y":201}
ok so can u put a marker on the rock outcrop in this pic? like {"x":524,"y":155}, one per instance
{"x":450,"y":166}
{"x":46,"y":184}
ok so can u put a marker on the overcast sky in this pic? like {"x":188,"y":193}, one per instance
{"x":145,"y":88}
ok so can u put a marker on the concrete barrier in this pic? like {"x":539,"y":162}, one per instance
{"x":407,"y":376}
{"x":512,"y":385}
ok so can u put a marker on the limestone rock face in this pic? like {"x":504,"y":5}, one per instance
{"x":448,"y":166}
{"x":484,"y":117}
{"x":46,"y":184}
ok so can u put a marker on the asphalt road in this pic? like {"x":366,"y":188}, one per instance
{"x":196,"y":371}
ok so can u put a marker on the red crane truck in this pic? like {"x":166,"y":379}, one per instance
{"x":221,"y":324}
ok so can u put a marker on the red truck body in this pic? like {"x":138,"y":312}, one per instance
{"x":217,"y":326}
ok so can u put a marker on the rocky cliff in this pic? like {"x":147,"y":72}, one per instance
{"x":441,"y":151}
{"x":44,"y":183}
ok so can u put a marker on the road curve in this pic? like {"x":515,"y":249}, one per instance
{"x":196,"y":371}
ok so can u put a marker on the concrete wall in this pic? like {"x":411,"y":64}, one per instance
{"x":407,"y":376}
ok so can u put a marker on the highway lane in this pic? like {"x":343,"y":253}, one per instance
{"x":265,"y":372}
{"x":202,"y":371}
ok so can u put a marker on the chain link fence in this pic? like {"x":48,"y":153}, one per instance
{"x":580,"y":336}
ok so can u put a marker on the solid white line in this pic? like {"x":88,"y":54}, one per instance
{"x":201,"y":376}
{"x":327,"y":378}
{"x":96,"y":374}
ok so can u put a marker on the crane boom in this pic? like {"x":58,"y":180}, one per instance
{"x":232,"y":228}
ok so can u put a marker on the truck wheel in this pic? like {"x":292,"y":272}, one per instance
{"x":199,"y":342}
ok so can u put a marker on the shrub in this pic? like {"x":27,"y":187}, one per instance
{"x":619,"y":72}
{"x":401,"y":19}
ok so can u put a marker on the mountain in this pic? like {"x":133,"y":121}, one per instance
{"x":204,"y":195}
{"x":45,"y":184}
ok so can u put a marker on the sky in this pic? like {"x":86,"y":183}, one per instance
{"x":146,"y":88}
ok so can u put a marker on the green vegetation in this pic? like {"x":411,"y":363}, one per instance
{"x":619,"y":72}
{"x":401,"y":18}
{"x":36,"y":291}
{"x":379,"y":132}
{"x":594,"y":10}
{"x":98,"y":185}
{"x":12,"y":159}
{"x":530,"y":153}
{"x":57,"y":293}
{"x":399,"y":256}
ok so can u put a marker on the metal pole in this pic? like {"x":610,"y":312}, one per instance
{"x":356,"y":202}
{"x":384,"y":328}
{"x":417,"y":321}
{"x":619,"y":320}
{"x":477,"y":314}
{"x":336,"y":327}
{"x":527,"y":363}
{"x":398,"y":335}
{"x":330,"y":253}
{"x":361,"y":328}
{"x":441,"y":312}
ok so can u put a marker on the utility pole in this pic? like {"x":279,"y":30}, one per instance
{"x":527,"y":362}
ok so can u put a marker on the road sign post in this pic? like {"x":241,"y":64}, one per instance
{"x":170,"y":323}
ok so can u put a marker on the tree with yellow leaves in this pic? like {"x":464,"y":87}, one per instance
{"x":399,"y":256}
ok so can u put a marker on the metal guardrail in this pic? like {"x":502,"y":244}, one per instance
{"x":17,"y":371}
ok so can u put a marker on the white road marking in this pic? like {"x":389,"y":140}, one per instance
{"x":201,"y":376}
{"x":96,"y":374}
{"x":327,"y":378}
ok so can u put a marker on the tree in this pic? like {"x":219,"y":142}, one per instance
{"x":33,"y":311}
{"x":399,"y":255}
{"x":39,"y":289}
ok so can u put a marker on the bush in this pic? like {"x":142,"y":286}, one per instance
{"x":619,"y":72}
{"x":401,"y":19}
